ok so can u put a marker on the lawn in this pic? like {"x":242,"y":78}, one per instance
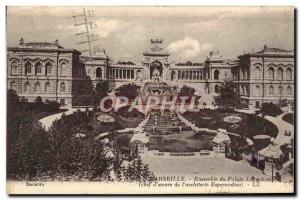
{"x":289,"y":118}
{"x":250,"y":125}
{"x":122,"y":119}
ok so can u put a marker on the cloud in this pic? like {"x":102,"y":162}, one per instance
{"x":189,"y":48}
{"x":107,"y":26}
{"x":206,"y":47}
{"x":186,"y":48}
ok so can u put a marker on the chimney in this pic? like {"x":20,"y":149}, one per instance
{"x":56,"y":42}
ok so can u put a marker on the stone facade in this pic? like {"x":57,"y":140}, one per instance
{"x":43,"y":69}
{"x":54,"y":73}
{"x":266,"y":76}
{"x":156,"y":66}
{"x":218,"y":70}
{"x":96,"y":68}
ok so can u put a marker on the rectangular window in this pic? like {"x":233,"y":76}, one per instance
{"x":113,"y":73}
{"x":124,"y":73}
{"x":62,"y":102}
{"x":257,"y":104}
{"x":14,"y":70}
{"x":27,"y":70}
{"x":48,"y":70}
{"x":128,"y":74}
{"x":39,"y":70}
{"x":132,"y":74}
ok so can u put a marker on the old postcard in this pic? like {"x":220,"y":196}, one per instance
{"x":150,"y":100}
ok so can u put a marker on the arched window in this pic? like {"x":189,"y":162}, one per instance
{"x":27,"y":87}
{"x":258,"y":93}
{"x":173,"y":74}
{"x":14,"y":68}
{"x":48,"y":70}
{"x":271,"y":90}
{"x":280,"y":90}
{"x":271,"y":73}
{"x":289,"y":74}
{"x":216,"y":74}
{"x":217,"y":90}
{"x":99,"y":72}
{"x":47,"y":87}
{"x":62,"y":87}
{"x":289,"y":90}
{"x":63,"y":68}
{"x":257,"y":72}
{"x":13,"y":85}
{"x":280,"y":73}
{"x":38,"y":68}
{"x":37,"y":87}
{"x":138,"y":74}
{"x":28,"y":68}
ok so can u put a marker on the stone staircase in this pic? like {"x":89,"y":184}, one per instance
{"x":164,"y":122}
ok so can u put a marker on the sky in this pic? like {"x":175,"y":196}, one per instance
{"x":188,"y":33}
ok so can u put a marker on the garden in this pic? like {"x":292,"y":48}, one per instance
{"x":186,"y":141}
{"x":245,"y":125}
{"x":68,"y":150}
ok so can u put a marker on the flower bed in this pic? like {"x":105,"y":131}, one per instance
{"x":231,"y":119}
{"x":105,"y":118}
{"x":249,"y":125}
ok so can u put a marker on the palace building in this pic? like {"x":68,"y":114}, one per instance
{"x":55,"y":73}
{"x":266,"y":76}
{"x":43,"y":69}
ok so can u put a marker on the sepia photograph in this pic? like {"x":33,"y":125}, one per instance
{"x":150,"y":100}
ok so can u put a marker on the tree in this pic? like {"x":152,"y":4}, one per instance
{"x":131,"y":91}
{"x":30,"y":154}
{"x":186,"y":91}
{"x":136,"y":171}
{"x":38,"y":104}
{"x":101,"y":91}
{"x":51,"y":106}
{"x":188,"y":63}
{"x":85,"y":94}
{"x":12,"y":104}
{"x":83,"y":159}
{"x":122,"y":143}
{"x":229,"y":97}
{"x":271,"y":109}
